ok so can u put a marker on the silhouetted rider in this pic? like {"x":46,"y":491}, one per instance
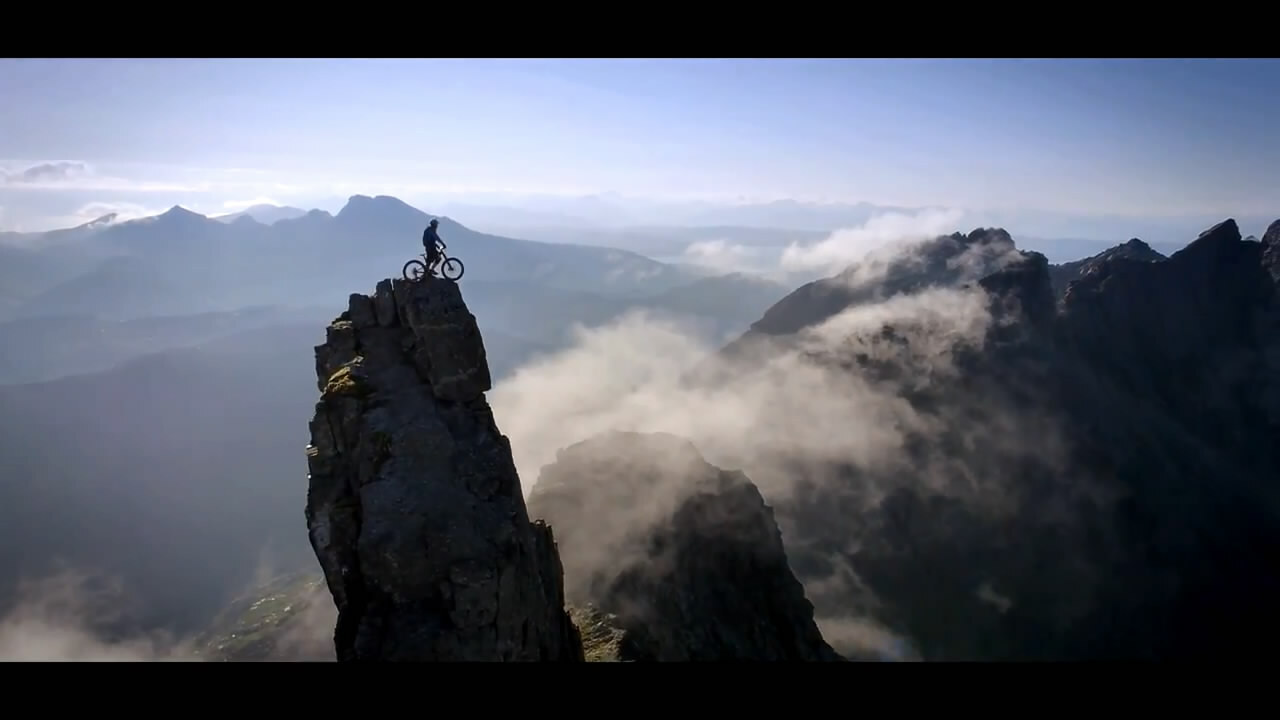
{"x":432,"y":243}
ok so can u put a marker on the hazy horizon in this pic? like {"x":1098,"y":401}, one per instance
{"x":1054,"y":148}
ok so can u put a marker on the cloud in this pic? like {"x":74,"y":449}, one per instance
{"x":121,"y":210}
{"x":78,"y":175}
{"x":49,"y":172}
{"x":628,"y":376}
{"x":722,"y":255}
{"x":883,"y":237}
{"x":801,"y":416}
{"x":76,"y":616}
{"x":862,"y":637}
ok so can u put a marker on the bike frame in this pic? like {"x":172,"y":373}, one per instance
{"x":443,"y":256}
{"x":430,"y":268}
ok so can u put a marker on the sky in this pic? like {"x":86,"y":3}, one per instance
{"x":82,"y":137}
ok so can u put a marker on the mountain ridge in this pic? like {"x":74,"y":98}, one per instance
{"x":1150,"y":386}
{"x":198,"y":264}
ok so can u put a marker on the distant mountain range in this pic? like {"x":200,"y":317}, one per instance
{"x":125,"y":286}
{"x":183,"y":262}
{"x":265,"y":214}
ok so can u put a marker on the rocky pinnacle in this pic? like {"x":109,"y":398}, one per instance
{"x":685,"y":558}
{"x":414,"y":507}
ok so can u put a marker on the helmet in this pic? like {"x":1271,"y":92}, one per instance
{"x":434,"y":222}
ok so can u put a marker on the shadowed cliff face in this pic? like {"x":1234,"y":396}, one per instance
{"x":414,"y":507}
{"x":685,"y":557}
{"x":1102,"y":479}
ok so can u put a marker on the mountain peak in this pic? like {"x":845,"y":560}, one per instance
{"x":177,"y":212}
{"x":1133,"y":249}
{"x":989,"y":236}
{"x":1214,"y":240}
{"x":377,"y":203}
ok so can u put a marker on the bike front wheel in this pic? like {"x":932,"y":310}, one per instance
{"x":452,"y":269}
{"x":414,"y":270}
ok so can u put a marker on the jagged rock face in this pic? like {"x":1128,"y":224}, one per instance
{"x":1271,"y":250}
{"x":1189,"y":333}
{"x":1269,"y":325}
{"x":1098,"y":481}
{"x":946,"y":260}
{"x":685,"y":559}
{"x":1181,"y":420}
{"x":1136,"y":250}
{"x":1022,"y":289}
{"x":414,"y":507}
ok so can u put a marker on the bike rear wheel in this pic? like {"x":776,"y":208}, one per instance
{"x":414,"y":270}
{"x":452,"y":269}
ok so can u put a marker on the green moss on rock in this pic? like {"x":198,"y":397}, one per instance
{"x":602,"y":639}
{"x":347,"y":382}
{"x":285,"y":620}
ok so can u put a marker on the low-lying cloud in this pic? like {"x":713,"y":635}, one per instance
{"x":73,"y":614}
{"x":723,"y":256}
{"x":880,"y":239}
{"x":628,"y":376}
{"x":799,"y":403}
{"x":77,"y":616}
{"x":120,"y":211}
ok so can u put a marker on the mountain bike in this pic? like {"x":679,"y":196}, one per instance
{"x":450,"y":267}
